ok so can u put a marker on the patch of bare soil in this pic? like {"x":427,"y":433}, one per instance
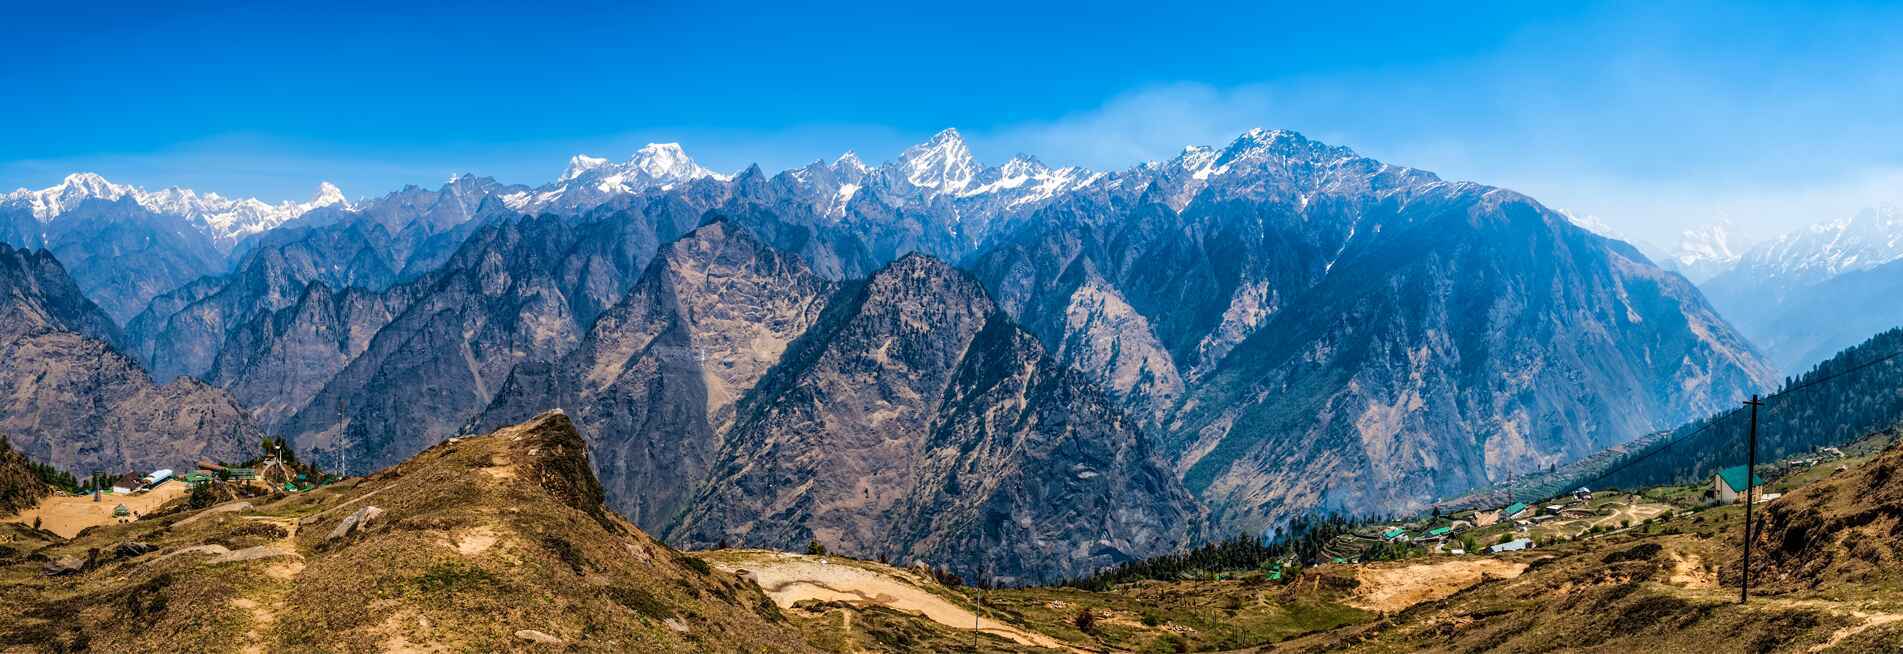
{"x":791,"y":578}
{"x":1392,"y":588}
{"x":67,"y":515}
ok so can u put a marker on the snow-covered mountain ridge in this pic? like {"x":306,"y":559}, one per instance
{"x":220,"y":217}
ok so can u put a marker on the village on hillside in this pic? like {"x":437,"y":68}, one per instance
{"x":123,"y":498}
{"x":1581,"y":513}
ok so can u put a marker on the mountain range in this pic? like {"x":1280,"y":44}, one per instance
{"x":1015,"y":370}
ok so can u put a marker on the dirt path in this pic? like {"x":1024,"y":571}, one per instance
{"x":1392,"y":588}
{"x":67,"y":515}
{"x":789,"y":578}
{"x":270,"y":604}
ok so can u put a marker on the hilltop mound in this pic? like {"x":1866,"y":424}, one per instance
{"x":1840,"y":531}
{"x":494,"y":543}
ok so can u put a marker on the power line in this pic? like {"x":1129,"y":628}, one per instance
{"x":1716,"y":420}
{"x":1834,"y":376}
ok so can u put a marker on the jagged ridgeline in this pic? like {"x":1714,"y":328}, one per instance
{"x":1857,"y":392}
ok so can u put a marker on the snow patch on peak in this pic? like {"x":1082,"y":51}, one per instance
{"x":849,"y":162}
{"x":1707,"y":243}
{"x":328,"y":194}
{"x":1592,"y":224}
{"x":942,"y":164}
{"x":668,"y":163}
{"x":581,"y":163}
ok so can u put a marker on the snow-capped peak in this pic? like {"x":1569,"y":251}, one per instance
{"x":942,"y":164}
{"x":581,"y":163}
{"x":328,"y":194}
{"x":1706,"y":243}
{"x":50,"y":202}
{"x":1871,"y":238}
{"x":218,"y":216}
{"x":849,"y":162}
{"x":1025,"y":165}
{"x":668,"y":162}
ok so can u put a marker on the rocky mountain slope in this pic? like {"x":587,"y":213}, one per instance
{"x":1835,"y":535}
{"x":73,"y":401}
{"x":915,"y":421}
{"x":122,"y":255}
{"x":521,"y":290}
{"x":1318,"y":330}
{"x":1483,"y":335}
{"x":656,"y":380}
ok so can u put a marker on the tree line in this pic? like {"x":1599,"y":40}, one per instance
{"x":1853,"y":394}
{"x":1302,"y":542}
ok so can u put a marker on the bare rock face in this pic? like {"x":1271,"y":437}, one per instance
{"x":36,"y":294}
{"x":655,"y":382}
{"x":68,"y":398}
{"x":275,"y":363}
{"x":915,"y":420}
{"x":519,"y":291}
{"x":183,"y":331}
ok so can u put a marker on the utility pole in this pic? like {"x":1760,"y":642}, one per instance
{"x":1750,"y":497}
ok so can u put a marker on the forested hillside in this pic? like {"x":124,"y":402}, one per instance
{"x":1858,"y":391}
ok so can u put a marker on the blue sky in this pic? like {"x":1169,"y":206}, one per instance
{"x":1650,"y":118}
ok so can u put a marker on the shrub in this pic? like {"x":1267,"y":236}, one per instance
{"x":202,"y":496}
{"x":1086,"y":621}
{"x":815,"y":548}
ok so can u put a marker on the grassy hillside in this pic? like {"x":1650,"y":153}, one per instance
{"x":1824,"y":581}
{"x":501,"y":543}
{"x":484,"y":544}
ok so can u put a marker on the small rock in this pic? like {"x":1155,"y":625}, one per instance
{"x":64,"y":566}
{"x":675,"y":624}
{"x":354,"y":522}
{"x":131,"y":549}
{"x":534,"y":636}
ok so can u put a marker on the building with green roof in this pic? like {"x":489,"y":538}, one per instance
{"x":1728,"y":484}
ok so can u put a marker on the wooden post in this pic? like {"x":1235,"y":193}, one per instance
{"x":1750,"y":496}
